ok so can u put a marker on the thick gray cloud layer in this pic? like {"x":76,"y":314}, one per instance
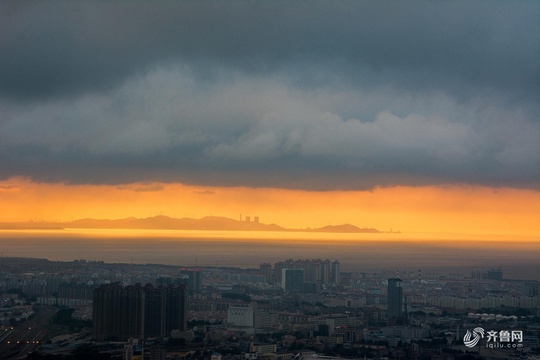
{"x":318,"y":95}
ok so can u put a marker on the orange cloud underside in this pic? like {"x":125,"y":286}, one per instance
{"x":407,"y":209}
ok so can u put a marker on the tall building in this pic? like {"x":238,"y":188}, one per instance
{"x":118,"y":312}
{"x":266,"y":270}
{"x":176,"y":309}
{"x":335,"y":273}
{"x":495,"y":274}
{"x":278,"y":269}
{"x":264,"y":319}
{"x":395,"y":298}
{"x":132,"y":313}
{"x":325,"y":271}
{"x":154,"y":314}
{"x":138,"y":312}
{"x":106,"y":324}
{"x":195,"y":279}
{"x":292,"y":279}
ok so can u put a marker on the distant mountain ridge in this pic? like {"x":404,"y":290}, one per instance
{"x":345,"y":228}
{"x":168,"y":223}
{"x":162,"y":222}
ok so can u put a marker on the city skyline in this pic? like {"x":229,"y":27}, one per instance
{"x":415,"y":117}
{"x":134,"y":309}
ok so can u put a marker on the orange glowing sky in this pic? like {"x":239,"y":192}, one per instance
{"x":407,"y":209}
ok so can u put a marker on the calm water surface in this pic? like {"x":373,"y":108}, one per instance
{"x":447,"y":253}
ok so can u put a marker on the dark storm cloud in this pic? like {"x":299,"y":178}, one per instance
{"x":65,"y":48}
{"x":318,"y":95}
{"x":144,"y":187}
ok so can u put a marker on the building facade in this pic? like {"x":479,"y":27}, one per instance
{"x":138,"y":312}
{"x":292,"y":280}
{"x":395,"y":298}
{"x":241,"y":316}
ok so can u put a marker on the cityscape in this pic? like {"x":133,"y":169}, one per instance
{"x":259,"y":180}
{"x":295,"y":308}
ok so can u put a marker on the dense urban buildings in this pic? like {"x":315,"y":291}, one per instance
{"x":120,"y":313}
{"x":241,"y":313}
{"x":317,"y":271}
{"x":483,"y":274}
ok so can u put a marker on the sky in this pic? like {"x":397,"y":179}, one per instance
{"x":415,"y":116}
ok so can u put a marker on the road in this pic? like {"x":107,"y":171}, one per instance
{"x":17,"y":342}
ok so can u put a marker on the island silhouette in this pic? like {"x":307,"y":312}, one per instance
{"x":162,"y":222}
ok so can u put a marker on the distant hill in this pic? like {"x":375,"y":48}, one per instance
{"x":162,"y":222}
{"x":168,"y":223}
{"x":345,"y":228}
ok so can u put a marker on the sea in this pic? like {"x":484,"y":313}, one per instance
{"x":444,"y":254}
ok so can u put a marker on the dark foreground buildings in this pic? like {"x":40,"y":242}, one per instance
{"x":120,"y":313}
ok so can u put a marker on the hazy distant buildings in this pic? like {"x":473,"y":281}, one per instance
{"x":531,"y":288}
{"x":479,"y":274}
{"x":315,"y":271}
{"x":75,"y":291}
{"x":495,"y":274}
{"x":335,"y":272}
{"x":266,"y":270}
{"x":138,"y":312}
{"x":194,"y":283}
{"x":248,"y":219}
{"x":485,"y":274}
{"x":395,"y":298}
{"x":292,"y":279}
